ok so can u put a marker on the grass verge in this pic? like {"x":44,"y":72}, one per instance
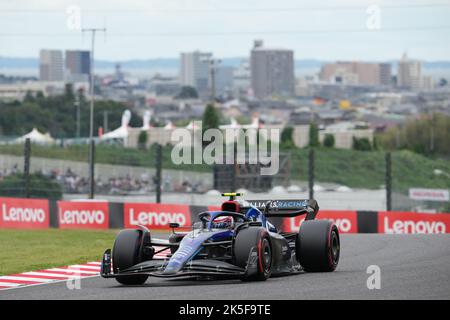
{"x":28,"y":250}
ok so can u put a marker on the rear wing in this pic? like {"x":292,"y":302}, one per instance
{"x":287,"y":208}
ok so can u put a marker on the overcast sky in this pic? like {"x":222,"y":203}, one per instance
{"x":143,"y":29}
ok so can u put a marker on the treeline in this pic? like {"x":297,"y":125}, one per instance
{"x":58,"y":114}
{"x":428,"y":135}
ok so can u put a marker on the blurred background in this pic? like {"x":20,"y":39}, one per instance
{"x":359,"y":91}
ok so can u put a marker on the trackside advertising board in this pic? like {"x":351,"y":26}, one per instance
{"x":83,"y":215}
{"x":156,"y":215}
{"x":410,"y":222}
{"x":346,"y":221}
{"x":24,"y":213}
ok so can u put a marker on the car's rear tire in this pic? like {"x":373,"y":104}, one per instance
{"x":127,"y":252}
{"x":318,"y":246}
{"x":246,"y":240}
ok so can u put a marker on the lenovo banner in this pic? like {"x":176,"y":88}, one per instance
{"x":410,"y":222}
{"x":24,"y":213}
{"x":155,"y":215}
{"x":346,"y":221}
{"x":83,"y":215}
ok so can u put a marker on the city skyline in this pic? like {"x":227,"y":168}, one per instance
{"x":157,"y":29}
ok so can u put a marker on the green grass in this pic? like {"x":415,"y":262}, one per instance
{"x":27,"y":250}
{"x":360,"y":169}
{"x":355,"y":169}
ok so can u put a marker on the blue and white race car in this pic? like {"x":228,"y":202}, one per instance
{"x":236,"y":242}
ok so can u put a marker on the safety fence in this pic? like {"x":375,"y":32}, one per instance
{"x":340,"y":179}
{"x":42,"y":213}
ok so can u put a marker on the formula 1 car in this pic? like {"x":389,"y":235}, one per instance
{"x":236,"y":242}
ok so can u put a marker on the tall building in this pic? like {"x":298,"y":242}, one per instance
{"x":194,"y":70}
{"x":409,"y":73}
{"x":272,"y":71}
{"x":78,"y":65}
{"x":356,"y":73}
{"x":242,"y":78}
{"x":224,"y":79}
{"x":51,"y":66}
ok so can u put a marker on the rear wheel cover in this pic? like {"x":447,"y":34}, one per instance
{"x":334,"y":248}
{"x":265,"y":255}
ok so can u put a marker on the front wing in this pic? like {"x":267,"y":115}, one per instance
{"x":194,"y":268}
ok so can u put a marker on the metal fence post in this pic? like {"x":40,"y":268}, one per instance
{"x":311,"y":173}
{"x":388,"y":181}
{"x":26,"y":167}
{"x":158,"y":164}
{"x":91,"y":169}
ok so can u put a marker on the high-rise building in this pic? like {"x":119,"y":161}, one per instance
{"x":272,"y":71}
{"x":409,"y":73}
{"x":194,"y":70}
{"x":51,"y":66}
{"x":78,"y":65}
{"x":242,"y":77}
{"x":224,"y":79}
{"x":356,"y":73}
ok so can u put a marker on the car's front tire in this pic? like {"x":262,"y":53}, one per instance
{"x":318,"y":246}
{"x":249,"y":239}
{"x":127,"y":252}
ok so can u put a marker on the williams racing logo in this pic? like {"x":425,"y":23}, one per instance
{"x":280,"y":204}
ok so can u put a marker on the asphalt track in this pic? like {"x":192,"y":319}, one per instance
{"x":412,"y":267}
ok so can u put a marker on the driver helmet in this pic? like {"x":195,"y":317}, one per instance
{"x":225,"y":222}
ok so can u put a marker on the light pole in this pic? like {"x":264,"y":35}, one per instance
{"x":105,"y":121}
{"x":213,"y":63}
{"x":77,"y":105}
{"x":93,"y":31}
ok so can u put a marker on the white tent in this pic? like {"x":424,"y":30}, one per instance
{"x":119,"y":133}
{"x":169,"y":126}
{"x":36,"y":137}
{"x":146,"y":120}
{"x":192,"y":126}
{"x":122,"y":131}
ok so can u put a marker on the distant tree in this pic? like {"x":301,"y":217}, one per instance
{"x":287,"y":140}
{"x":427,"y":135}
{"x":142,"y":140}
{"x":211,"y":118}
{"x":443,"y":82}
{"x":28,"y":97}
{"x":40,"y":95}
{"x":187,"y":92}
{"x":313,"y":135}
{"x":68,"y":92}
{"x":375,"y":144}
{"x":361,"y":144}
{"x":328,"y":141}
{"x":56,"y":115}
{"x":40,"y":186}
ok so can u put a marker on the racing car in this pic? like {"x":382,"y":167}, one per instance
{"x":237,"y":241}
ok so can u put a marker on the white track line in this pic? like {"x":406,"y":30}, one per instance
{"x":48,"y":274}
{"x":40,"y":284}
{"x":71,"y":271}
{"x":25,"y":279}
{"x":9,"y":284}
{"x":85,"y":267}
